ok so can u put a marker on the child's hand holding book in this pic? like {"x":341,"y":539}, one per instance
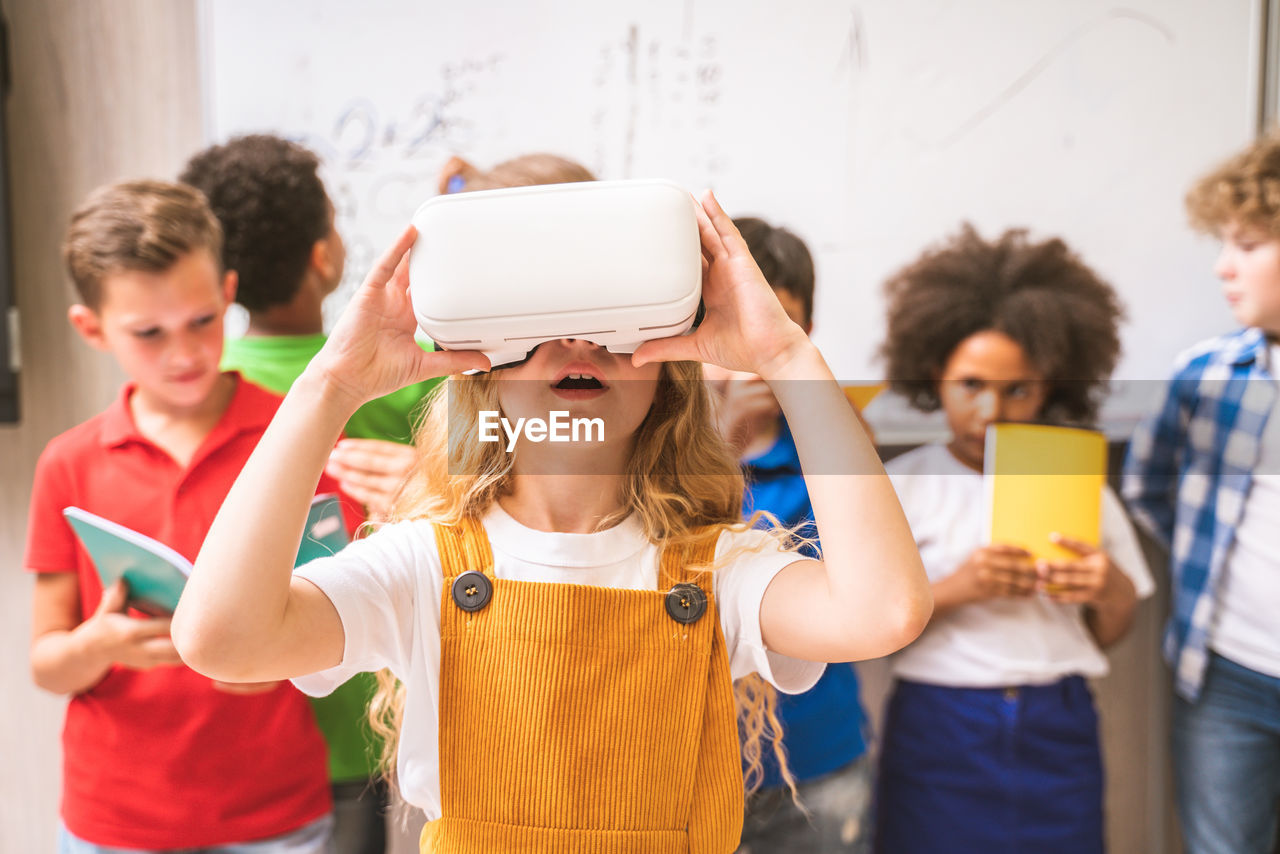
{"x":127,"y":641}
{"x":994,"y":571}
{"x":1087,"y":580}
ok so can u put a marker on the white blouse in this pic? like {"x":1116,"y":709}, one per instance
{"x":999,"y":642}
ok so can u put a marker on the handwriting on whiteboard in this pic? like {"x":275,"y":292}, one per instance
{"x":654,"y":102}
{"x":379,"y":164}
{"x":652,"y":95}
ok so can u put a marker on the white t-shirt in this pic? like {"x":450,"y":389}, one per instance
{"x":387,"y":590}
{"x":1246,"y":624}
{"x":999,"y":642}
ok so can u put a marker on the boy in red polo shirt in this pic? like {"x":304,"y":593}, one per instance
{"x":157,"y":757}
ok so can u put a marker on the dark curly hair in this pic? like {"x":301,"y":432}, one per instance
{"x":1244,"y":188}
{"x":782,"y":257}
{"x":1041,"y":295}
{"x":268,"y":196}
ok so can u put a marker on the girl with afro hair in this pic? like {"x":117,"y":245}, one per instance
{"x":990,"y":735}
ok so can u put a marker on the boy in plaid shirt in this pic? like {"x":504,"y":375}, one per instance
{"x":1203,"y":476}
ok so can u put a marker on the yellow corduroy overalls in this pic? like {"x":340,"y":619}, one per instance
{"x":579,"y":719}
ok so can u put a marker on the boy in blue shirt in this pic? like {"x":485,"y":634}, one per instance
{"x":1203,"y":476}
{"x":822,"y":728}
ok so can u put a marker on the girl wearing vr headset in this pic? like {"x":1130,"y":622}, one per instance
{"x":567,"y":620}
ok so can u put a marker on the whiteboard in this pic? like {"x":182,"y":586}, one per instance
{"x":872,"y":129}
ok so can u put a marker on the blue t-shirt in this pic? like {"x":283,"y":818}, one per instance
{"x":823,"y":727}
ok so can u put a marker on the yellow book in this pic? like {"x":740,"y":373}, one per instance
{"x":860,"y":394}
{"x":1041,"y":479}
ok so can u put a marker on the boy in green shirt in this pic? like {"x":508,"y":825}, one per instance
{"x":280,"y":238}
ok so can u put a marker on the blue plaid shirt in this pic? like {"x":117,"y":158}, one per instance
{"x":1187,"y":477}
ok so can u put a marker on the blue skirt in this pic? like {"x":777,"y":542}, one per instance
{"x":990,"y":770}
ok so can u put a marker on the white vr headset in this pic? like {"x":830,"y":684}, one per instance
{"x":501,"y":271}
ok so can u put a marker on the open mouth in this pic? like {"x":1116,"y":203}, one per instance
{"x":579,"y":382}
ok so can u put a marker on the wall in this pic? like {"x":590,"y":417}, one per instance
{"x":870,"y":127}
{"x":101,"y":91}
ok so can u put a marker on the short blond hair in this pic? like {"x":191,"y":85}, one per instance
{"x":136,"y":225}
{"x":1244,"y":189}
{"x":527,"y":170}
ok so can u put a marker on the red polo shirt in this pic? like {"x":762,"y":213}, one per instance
{"x":160,"y":758}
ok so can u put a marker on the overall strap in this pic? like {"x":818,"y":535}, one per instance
{"x":684,"y":576}
{"x":464,"y":547}
{"x":467,"y":562}
{"x":714,"y":820}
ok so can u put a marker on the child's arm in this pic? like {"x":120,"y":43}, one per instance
{"x":69,"y":656}
{"x":243,"y":617}
{"x":869,"y":596}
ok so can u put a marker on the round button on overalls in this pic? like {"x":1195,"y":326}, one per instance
{"x":686,"y":603}
{"x":472,"y":590}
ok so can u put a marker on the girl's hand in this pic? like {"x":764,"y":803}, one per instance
{"x":371,"y":351}
{"x":995,"y":571}
{"x":745,"y":327}
{"x":1084,"y":581}
{"x":371,"y":471}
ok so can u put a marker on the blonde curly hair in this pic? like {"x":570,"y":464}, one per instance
{"x":1244,"y":189}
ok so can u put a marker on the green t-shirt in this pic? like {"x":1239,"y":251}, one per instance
{"x":274,"y":362}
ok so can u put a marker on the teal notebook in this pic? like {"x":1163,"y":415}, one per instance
{"x":325,"y":532}
{"x":156,"y":574}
